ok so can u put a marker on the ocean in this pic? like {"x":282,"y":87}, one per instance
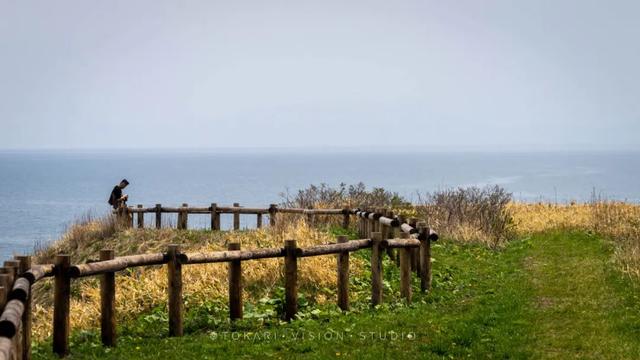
{"x":41,"y":192}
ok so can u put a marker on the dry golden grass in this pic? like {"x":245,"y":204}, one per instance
{"x":145,"y":288}
{"x":533,"y":218}
{"x":142,"y":289}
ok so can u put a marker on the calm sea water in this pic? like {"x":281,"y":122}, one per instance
{"x":41,"y":193}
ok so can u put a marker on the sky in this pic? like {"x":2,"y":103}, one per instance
{"x":545,"y":74}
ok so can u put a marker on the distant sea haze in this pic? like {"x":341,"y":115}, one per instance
{"x":42,"y":192}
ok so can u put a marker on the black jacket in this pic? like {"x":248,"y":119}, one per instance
{"x":114,"y":198}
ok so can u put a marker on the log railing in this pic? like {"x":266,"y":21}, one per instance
{"x":380,"y":230}
{"x":214,"y":210}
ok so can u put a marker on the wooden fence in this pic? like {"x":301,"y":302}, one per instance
{"x":379,"y":230}
{"x":214,"y":211}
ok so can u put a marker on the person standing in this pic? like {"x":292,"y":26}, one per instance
{"x":116,"y":199}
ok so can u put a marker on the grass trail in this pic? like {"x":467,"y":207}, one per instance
{"x":581,"y":306}
{"x":553,"y":295}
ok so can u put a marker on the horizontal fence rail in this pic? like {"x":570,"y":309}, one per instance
{"x":379,"y":230}
{"x":127,"y":213}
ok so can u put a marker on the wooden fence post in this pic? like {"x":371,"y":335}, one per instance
{"x":174,"y":274}
{"x":5,"y":283}
{"x":259,"y":221}
{"x":61,"y":302}
{"x":179,"y":220}
{"x":425,"y":258}
{"x":405,"y":271}
{"x":310,"y":217}
{"x":273,"y":211}
{"x":158,"y":216}
{"x":415,"y":265}
{"x":396,"y":233}
{"x":25,"y":265}
{"x":236,"y":217}
{"x":373,"y":223}
{"x":384,"y":231}
{"x":290,"y":279}
{"x":414,"y":252}
{"x":108,"y":302}
{"x":346,"y":218}
{"x":376,"y":269}
{"x":129,"y":215}
{"x":13,"y":268}
{"x":235,"y":285}
{"x":183,"y":216}
{"x":140,"y":217}
{"x":6,"y":346}
{"x":343,"y":276}
{"x":388,"y":232}
{"x":215,"y":217}
{"x":367,"y":228}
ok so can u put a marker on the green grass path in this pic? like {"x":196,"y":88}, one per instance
{"x":581,"y":307}
{"x":552,"y":295}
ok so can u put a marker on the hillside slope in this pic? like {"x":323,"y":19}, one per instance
{"x":552,"y":295}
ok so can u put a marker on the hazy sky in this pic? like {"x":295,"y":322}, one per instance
{"x":164,"y":74}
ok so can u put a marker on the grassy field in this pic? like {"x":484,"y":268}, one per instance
{"x":557,"y":294}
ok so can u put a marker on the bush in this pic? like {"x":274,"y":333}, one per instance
{"x":470,"y":213}
{"x":324,"y":196}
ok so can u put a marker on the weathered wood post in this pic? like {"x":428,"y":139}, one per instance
{"x":376,"y":269}
{"x":273,"y":211}
{"x":290,"y":279}
{"x":367,"y":226}
{"x":129,"y":216}
{"x":108,"y":302}
{"x":158,"y":216}
{"x":425,"y":258}
{"x":405,"y":270}
{"x":236,"y":216}
{"x":174,"y":274}
{"x":14,"y":268}
{"x":396,"y":233}
{"x":5,"y":283}
{"x":259,"y":220}
{"x":235,"y":285}
{"x":389,"y":232}
{"x":376,"y":219}
{"x":310,"y":217}
{"x":383,"y":230}
{"x":414,"y":252}
{"x":343,"y":276}
{"x":215,"y":217}
{"x":25,"y":265}
{"x":5,"y":344}
{"x":346,"y":218}
{"x":61,"y":302}
{"x":372,"y":223}
{"x":3,"y":290}
{"x":183,"y":216}
{"x":179,"y":220}
{"x":140,"y":217}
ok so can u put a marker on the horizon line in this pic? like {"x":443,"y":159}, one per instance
{"x":356,"y":149}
